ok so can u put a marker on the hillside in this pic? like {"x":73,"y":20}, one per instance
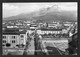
{"x":46,"y":15}
{"x":57,"y":16}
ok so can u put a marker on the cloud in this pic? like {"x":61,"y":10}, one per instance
{"x":68,"y":6}
{"x":6,"y":6}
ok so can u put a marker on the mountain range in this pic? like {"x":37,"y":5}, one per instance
{"x":46,"y":15}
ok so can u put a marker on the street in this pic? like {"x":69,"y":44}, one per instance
{"x":31,"y":48}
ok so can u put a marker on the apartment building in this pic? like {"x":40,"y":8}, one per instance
{"x":13,"y":38}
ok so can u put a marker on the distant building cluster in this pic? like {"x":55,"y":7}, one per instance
{"x":16,"y":34}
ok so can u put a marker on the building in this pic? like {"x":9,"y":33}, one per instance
{"x":52,"y":24}
{"x":33,"y":26}
{"x":49,"y":31}
{"x":64,"y":31}
{"x":68,"y":23}
{"x":12,"y":26}
{"x":18,"y":24}
{"x":13,"y":38}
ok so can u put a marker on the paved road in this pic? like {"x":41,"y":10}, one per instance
{"x":31,"y":48}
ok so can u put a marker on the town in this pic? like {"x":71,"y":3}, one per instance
{"x":29,"y":38}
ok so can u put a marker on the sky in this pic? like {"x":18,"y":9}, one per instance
{"x":13,"y":9}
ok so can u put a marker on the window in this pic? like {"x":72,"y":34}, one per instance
{"x":22,"y":36}
{"x":3,"y":45}
{"x":4,"y":41}
{"x":13,"y":41}
{"x":4,"y":37}
{"x":13,"y":37}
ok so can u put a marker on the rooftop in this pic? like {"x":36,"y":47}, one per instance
{"x":13,"y":31}
{"x":51,"y":29}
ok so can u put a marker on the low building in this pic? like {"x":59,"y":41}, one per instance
{"x":13,"y":38}
{"x":33,"y":26}
{"x":49,"y":31}
{"x":12,"y":26}
{"x":30,"y":31}
{"x":52,"y":24}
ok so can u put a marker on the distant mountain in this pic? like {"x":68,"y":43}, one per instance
{"x":57,"y":16}
{"x":46,"y":15}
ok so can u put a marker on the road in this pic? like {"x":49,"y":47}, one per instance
{"x":31,"y":48}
